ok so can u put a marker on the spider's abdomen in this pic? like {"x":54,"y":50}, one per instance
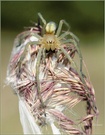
{"x":50,"y":41}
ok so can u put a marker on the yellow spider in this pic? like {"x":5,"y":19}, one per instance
{"x":52,"y":39}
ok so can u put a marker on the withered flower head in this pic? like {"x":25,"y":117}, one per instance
{"x":48,"y":82}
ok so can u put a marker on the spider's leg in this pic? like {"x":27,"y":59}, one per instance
{"x":23,"y":58}
{"x":88,"y":95}
{"x":73,"y":36}
{"x":75,"y":41}
{"x":72,"y":61}
{"x":37,"y":76}
{"x":41,"y":17}
{"x":67,"y":41}
{"x":80,"y":56}
{"x":44,"y":22}
{"x":60,"y":27}
{"x":44,"y":55}
{"x":58,"y":53}
{"x":68,"y":57}
{"x":68,"y":33}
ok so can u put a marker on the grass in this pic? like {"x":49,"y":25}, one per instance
{"x":93,"y":56}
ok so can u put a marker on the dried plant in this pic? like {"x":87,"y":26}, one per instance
{"x":48,"y":93}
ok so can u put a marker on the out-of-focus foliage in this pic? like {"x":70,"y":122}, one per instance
{"x":84,"y":16}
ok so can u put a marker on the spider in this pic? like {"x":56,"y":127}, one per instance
{"x":51,"y":39}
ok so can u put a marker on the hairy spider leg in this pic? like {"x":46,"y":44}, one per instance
{"x":41,"y":17}
{"x":37,"y":63}
{"x":29,"y":43}
{"x":74,"y":64}
{"x":44,"y":55}
{"x":75,"y":42}
{"x":60,"y":27}
{"x":68,"y":57}
{"x":78,"y":50}
{"x":68,"y":33}
{"x":44,"y":22}
{"x":81,"y":74}
{"x":37,"y":76}
{"x":23,"y":55}
{"x":67,"y":41}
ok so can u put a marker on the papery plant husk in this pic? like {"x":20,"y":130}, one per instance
{"x":62,"y":88}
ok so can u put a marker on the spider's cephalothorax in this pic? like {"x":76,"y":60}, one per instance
{"x":50,"y":40}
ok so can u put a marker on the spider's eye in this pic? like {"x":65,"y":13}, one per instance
{"x":50,"y":27}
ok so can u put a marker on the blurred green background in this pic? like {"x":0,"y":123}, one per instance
{"x":86,"y":19}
